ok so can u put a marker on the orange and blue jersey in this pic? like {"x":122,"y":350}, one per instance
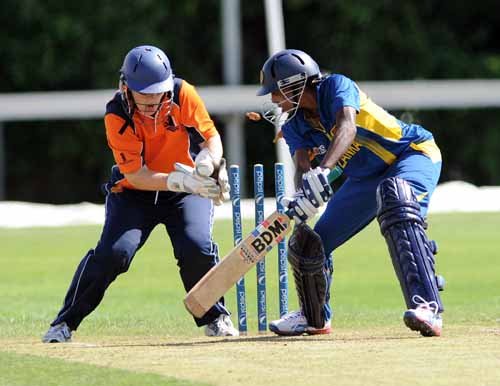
{"x":380,"y":137}
{"x":132,"y":214}
{"x":158,"y":143}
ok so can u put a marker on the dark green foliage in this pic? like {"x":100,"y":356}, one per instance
{"x":57,"y":162}
{"x":469,"y":141}
{"x":53,"y":45}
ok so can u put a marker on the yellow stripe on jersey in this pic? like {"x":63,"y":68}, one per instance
{"x":429,"y":148}
{"x":377,"y":120}
{"x":377,"y":149}
{"x":420,"y":197}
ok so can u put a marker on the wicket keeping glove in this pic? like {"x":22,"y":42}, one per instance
{"x":316,"y":187}
{"x":204,"y":163}
{"x":300,"y":207}
{"x":223,"y":182}
{"x":184,"y":179}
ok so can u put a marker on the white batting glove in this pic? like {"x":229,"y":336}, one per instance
{"x":204,"y":163}
{"x":184,"y":179}
{"x":316,"y":186}
{"x":300,"y":207}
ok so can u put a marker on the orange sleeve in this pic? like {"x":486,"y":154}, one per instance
{"x":124,"y":143}
{"x":193,"y":112}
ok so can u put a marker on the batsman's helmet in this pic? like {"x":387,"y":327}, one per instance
{"x":146,"y":69}
{"x":281,"y":67}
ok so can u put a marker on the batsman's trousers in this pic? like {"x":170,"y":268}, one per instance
{"x":130,"y":218}
{"x":354,"y":205}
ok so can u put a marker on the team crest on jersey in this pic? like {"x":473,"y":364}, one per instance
{"x":320,"y":150}
{"x":316,"y":151}
{"x":169,"y":124}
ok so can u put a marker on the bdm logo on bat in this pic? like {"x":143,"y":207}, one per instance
{"x":266,"y":233}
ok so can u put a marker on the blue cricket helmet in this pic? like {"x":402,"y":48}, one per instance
{"x":283,"y":65}
{"x":146,"y":69}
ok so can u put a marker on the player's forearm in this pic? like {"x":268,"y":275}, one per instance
{"x":145,"y":179}
{"x":302,"y":165}
{"x":342,"y":141}
{"x":214,"y":145}
{"x":343,"y":138}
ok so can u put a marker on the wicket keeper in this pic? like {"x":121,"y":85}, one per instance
{"x":169,"y":170}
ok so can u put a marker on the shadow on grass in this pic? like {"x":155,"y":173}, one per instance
{"x":257,"y":339}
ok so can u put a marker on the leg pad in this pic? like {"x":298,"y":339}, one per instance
{"x":307,"y":258}
{"x":411,"y":251}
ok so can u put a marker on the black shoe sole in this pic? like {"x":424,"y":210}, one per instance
{"x":323,"y":331}
{"x":281,"y":333}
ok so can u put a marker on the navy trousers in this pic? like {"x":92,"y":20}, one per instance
{"x":354,"y":205}
{"x":130,"y":218}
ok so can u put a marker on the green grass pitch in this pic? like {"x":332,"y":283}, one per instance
{"x":145,"y":305}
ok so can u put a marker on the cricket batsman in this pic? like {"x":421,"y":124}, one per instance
{"x":391,"y":169}
{"x":169,"y":170}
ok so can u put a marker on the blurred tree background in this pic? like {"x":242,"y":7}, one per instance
{"x":51,"y":45}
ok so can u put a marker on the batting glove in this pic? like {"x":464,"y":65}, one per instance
{"x":316,"y":187}
{"x":184,"y":179}
{"x":299,"y":207}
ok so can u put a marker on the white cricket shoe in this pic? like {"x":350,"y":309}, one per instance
{"x":295,"y":323}
{"x":222,"y":326}
{"x":424,"y":318}
{"x":57,"y":334}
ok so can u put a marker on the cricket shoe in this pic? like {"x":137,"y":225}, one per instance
{"x":295,"y":323}
{"x":222,"y":326}
{"x":424,"y":318}
{"x":57,"y":334}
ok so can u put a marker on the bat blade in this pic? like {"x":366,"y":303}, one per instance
{"x":240,"y":260}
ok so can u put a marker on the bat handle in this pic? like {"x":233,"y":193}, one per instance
{"x":334,"y":173}
{"x":290,"y":213}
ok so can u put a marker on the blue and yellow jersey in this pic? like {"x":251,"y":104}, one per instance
{"x":380,"y":137}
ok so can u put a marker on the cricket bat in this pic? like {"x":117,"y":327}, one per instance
{"x":239,"y":261}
